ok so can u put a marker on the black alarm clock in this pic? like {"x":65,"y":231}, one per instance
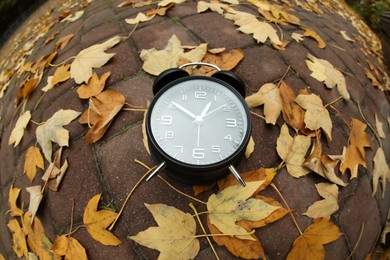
{"x":198,"y":127}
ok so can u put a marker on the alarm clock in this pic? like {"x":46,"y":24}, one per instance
{"x":198,"y":127}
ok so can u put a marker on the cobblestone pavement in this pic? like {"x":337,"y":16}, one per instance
{"x":108,"y":166}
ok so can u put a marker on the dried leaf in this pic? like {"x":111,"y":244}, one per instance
{"x":140,"y":18}
{"x":35,"y":200}
{"x":160,"y":11}
{"x":316,"y":116}
{"x":167,"y":2}
{"x":175,"y":235}
{"x":125,"y":3}
{"x":358,"y":136}
{"x":69,"y":247}
{"x":19,"y":243}
{"x":293,"y":114}
{"x":94,"y":87}
{"x":346,"y":37}
{"x":92,"y":57}
{"x":250,"y":148}
{"x":18,"y":131}
{"x":297,"y":37}
{"x":309,"y":245}
{"x":351,"y":159}
{"x":324,"y":71}
{"x":292,"y":150}
{"x":379,"y":127}
{"x":234,"y":204}
{"x":52,"y":131}
{"x":327,"y":206}
{"x":12,"y":199}
{"x":60,"y":75}
{"x":269,"y":96}
{"x":62,"y":42}
{"x":311,"y":33}
{"x":73,"y":17}
{"x":96,"y":222}
{"x":213,"y":6}
{"x":381,"y":171}
{"x":33,"y":161}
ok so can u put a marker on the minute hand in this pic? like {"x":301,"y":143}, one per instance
{"x":212,"y":111}
{"x":184,"y":110}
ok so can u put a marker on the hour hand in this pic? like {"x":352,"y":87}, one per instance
{"x":184,"y":109}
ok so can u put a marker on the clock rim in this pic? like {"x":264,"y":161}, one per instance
{"x":176,"y":167}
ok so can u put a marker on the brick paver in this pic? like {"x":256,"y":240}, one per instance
{"x":108,"y":166}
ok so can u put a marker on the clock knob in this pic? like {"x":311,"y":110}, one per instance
{"x":166,"y":77}
{"x":232,"y":79}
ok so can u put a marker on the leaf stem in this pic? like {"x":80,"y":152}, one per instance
{"x":39,"y":100}
{"x":74,"y":230}
{"x":224,"y":235}
{"x":334,"y":101}
{"x":357,"y":242}
{"x":63,"y":62}
{"x":290,"y":211}
{"x":71,"y":217}
{"x":36,"y":123}
{"x":260,"y":116}
{"x":203,"y":229}
{"x":285,"y":74}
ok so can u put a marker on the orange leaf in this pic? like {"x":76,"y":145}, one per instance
{"x":33,"y":161}
{"x":358,"y":136}
{"x":94,"y":87}
{"x":352,"y":157}
{"x":309,"y":245}
{"x":293,"y":114}
{"x":69,"y":247}
{"x":96,"y":222}
{"x":61,"y":43}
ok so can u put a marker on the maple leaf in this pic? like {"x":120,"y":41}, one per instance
{"x":292,"y":150}
{"x":328,"y":205}
{"x":297,"y":37}
{"x":69,"y":247}
{"x":157,"y":61}
{"x":381,"y":171}
{"x":12,"y":198}
{"x":379,"y":127}
{"x":249,"y":24}
{"x":52,"y":131}
{"x":214,"y":6}
{"x":94,"y":87}
{"x":358,"y":136}
{"x":234,"y":204}
{"x":92,"y":57}
{"x":309,"y":245}
{"x":18,"y":131}
{"x":269,"y":96}
{"x":55,"y":172}
{"x":33,"y":161}
{"x":140,"y":18}
{"x":312,"y":34}
{"x":175,"y":235}
{"x":323,"y":70}
{"x":100,"y":114}
{"x":293,"y":114}
{"x":61,"y":74}
{"x":18,"y":239}
{"x":96,"y":222}
{"x":316,"y":116}
{"x":36,"y":196}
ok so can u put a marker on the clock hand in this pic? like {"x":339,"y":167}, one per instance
{"x":199,"y":118}
{"x":212,"y":111}
{"x":184,"y":110}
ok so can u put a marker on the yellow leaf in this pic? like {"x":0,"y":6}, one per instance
{"x":52,"y":131}
{"x":61,"y":43}
{"x":69,"y":247}
{"x":269,"y":96}
{"x":250,"y":148}
{"x":234,"y":204}
{"x":96,"y":222}
{"x":60,"y":75}
{"x":324,"y":71}
{"x":12,"y":198}
{"x":18,"y":131}
{"x":33,"y":161}
{"x":309,"y":245}
{"x":92,"y":57}
{"x":351,"y":159}
{"x":175,"y":235}
{"x":292,"y":150}
{"x":94,"y":87}
{"x":311,"y":33}
{"x":358,"y":136}
{"x":18,"y":238}
{"x":327,"y":206}
{"x":214,"y":6}
{"x":381,"y":171}
{"x":140,"y":18}
{"x":316,"y":116}
{"x":297,"y":37}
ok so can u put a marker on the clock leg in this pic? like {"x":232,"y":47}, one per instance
{"x":237,"y":175}
{"x":155,"y":171}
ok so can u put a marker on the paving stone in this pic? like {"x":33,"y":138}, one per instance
{"x":101,"y":33}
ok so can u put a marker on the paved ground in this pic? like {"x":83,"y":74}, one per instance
{"x":108,"y":166}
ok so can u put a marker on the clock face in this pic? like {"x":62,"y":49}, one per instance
{"x":199,"y":121}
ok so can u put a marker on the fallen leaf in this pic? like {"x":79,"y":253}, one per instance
{"x":140,"y":18}
{"x":346,"y":37}
{"x":293,"y":114}
{"x":351,"y":159}
{"x":92,"y":57}
{"x":386,"y":229}
{"x":53,"y":131}
{"x":33,"y":161}
{"x":249,"y":24}
{"x":69,"y":247}
{"x":125,"y":3}
{"x":19,"y":243}
{"x":35,"y":200}
{"x":311,"y":33}
{"x":323,"y":71}
{"x":29,"y":86}
{"x":160,"y":11}
{"x":73,"y":17}
{"x":381,"y":171}
{"x":250,"y":148}
{"x":96,"y":222}
{"x":358,"y":136}
{"x":297,"y":37}
{"x":310,"y":245}
{"x":167,"y":2}
{"x":61,"y":74}
{"x":269,"y":96}
{"x":12,"y":199}
{"x":316,"y":116}
{"x":216,"y":7}
{"x":142,"y":3}
{"x":94,"y":87}
{"x":63,"y":41}
{"x":18,"y":131}
{"x":379,"y":127}
{"x":327,"y":206}
{"x":292,"y":150}
{"x":371,"y":77}
{"x":175,"y":235}
{"x":107,"y":105}
{"x":234,"y":204}
{"x":55,"y":172}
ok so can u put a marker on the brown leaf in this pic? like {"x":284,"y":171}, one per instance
{"x":358,"y":136}
{"x":33,"y":161}
{"x":62,"y":42}
{"x":351,"y":159}
{"x":94,"y":87}
{"x":293,"y":114}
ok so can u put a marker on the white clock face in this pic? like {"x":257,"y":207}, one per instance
{"x":199,"y":122}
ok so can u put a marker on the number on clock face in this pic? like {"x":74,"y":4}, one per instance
{"x":199,"y":122}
